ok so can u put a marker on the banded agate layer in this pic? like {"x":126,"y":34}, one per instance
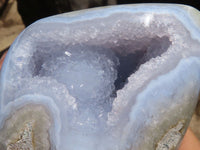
{"x":112,"y":78}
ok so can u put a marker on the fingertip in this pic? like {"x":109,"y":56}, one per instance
{"x":190,"y":142}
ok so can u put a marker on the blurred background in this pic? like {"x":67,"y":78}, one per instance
{"x":15,"y":15}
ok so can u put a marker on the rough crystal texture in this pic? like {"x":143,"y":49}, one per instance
{"x":113,"y":78}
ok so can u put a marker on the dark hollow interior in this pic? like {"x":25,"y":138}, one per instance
{"x":129,"y":55}
{"x":131,"y":61}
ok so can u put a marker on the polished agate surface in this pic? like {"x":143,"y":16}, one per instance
{"x":111,"y":78}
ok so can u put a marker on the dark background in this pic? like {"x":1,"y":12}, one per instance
{"x":194,"y":3}
{"x":32,"y":10}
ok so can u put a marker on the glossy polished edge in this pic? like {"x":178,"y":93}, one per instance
{"x":188,"y":15}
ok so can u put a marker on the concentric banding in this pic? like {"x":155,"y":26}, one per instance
{"x":141,"y":63}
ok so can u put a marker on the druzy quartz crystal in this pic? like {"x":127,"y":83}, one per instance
{"x":111,"y":78}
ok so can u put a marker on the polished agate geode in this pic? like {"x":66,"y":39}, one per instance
{"x":111,"y":78}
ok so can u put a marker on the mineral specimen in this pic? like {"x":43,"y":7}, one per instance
{"x":111,"y":78}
